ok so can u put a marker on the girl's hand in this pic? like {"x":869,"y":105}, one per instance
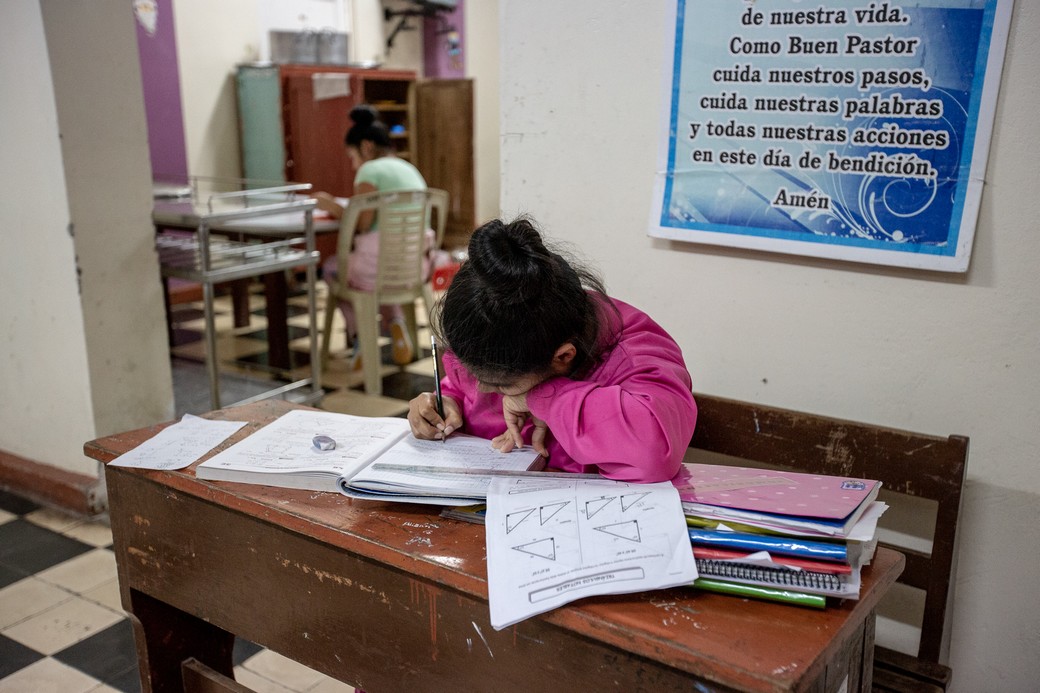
{"x":328,"y":203}
{"x":427,"y":424}
{"x":516,"y":414}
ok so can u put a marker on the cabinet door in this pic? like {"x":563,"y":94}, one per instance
{"x":443,"y":149}
{"x":258,"y":92}
{"x":314,"y":128}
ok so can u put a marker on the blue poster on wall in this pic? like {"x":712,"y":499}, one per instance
{"x":850,"y":129}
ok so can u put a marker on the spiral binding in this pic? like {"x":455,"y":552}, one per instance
{"x":806,"y":579}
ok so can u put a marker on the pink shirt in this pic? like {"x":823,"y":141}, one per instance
{"x":630,"y":419}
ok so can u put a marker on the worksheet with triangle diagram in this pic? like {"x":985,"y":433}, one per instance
{"x":551,"y":541}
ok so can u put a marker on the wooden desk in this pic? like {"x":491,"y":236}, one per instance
{"x":391,"y":597}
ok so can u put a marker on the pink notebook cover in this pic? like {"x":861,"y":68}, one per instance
{"x":772,"y":491}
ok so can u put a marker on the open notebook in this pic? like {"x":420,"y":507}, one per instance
{"x":373,"y":458}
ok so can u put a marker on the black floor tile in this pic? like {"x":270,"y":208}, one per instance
{"x":105,"y":655}
{"x":291,"y":309}
{"x":191,"y":387}
{"x":405,"y":385}
{"x":29,"y":548}
{"x":181,"y":336}
{"x":127,"y":682}
{"x":16,"y":504}
{"x":186,"y":313}
{"x":15,"y":656}
{"x":9,"y":576}
{"x":295,"y":332}
{"x":244,"y":649}
{"x":297,"y":359}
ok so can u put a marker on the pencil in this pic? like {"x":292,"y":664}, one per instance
{"x":437,"y":383}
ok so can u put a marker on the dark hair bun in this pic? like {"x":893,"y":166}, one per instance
{"x":364,"y":115}
{"x":511,"y":261}
{"x":516,"y":300}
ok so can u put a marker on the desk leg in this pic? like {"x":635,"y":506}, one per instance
{"x":240,"y":301}
{"x":167,"y":636}
{"x":277,"y":294}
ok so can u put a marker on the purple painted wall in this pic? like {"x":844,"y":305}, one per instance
{"x":161,"y":81}
{"x":443,"y":51}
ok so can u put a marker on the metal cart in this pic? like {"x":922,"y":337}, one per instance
{"x":278,"y":222}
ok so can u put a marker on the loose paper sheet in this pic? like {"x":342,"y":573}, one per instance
{"x":550,"y":542}
{"x":286,"y":444}
{"x":177,"y":446}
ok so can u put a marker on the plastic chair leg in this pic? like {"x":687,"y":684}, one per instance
{"x":367,"y":311}
{"x":429,"y":299}
{"x":331,"y":305}
{"x":408,"y":309}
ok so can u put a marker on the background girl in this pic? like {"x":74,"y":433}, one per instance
{"x":378,"y":168}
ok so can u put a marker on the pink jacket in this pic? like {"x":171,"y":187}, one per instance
{"x":630,"y":419}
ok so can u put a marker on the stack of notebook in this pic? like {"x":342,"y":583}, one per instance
{"x":786,"y":536}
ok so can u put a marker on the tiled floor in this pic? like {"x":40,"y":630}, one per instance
{"x":62,"y":628}
{"x":241,"y":353}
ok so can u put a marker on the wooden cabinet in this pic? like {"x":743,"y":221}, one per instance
{"x":431,"y":124}
{"x":443,"y":149}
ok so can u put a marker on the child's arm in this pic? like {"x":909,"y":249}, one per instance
{"x":633,"y":423}
{"x":328,"y":204}
{"x":631,"y":432}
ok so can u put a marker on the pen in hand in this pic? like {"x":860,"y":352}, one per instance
{"x":437,"y":383}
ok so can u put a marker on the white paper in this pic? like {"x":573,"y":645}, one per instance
{"x":287,"y":443}
{"x":330,"y":85}
{"x":550,"y":542}
{"x":177,"y":446}
{"x":460,"y":457}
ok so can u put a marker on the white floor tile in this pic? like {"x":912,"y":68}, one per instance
{"x":53,"y":519}
{"x":82,"y":573}
{"x":421,"y":367}
{"x":28,"y":597}
{"x":105,"y":594}
{"x":62,"y":625}
{"x":283,"y":670}
{"x":104,"y":688}
{"x":93,"y":532}
{"x":257,"y":683}
{"x":360,"y":404}
{"x":48,"y":676}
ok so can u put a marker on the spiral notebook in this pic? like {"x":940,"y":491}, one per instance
{"x":845,"y":586}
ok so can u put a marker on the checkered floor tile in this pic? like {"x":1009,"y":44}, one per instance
{"x":244,"y":369}
{"x":62,"y":627}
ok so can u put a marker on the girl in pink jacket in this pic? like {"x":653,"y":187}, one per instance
{"x":539,"y":355}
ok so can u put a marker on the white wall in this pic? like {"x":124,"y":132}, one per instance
{"x":922,"y":351}
{"x":104,"y":143}
{"x":83,"y":351}
{"x":213,"y":38}
{"x":482,"y":52}
{"x":45,"y":408}
{"x":371,"y":30}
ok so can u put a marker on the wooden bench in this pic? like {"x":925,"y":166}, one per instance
{"x":908,"y":464}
